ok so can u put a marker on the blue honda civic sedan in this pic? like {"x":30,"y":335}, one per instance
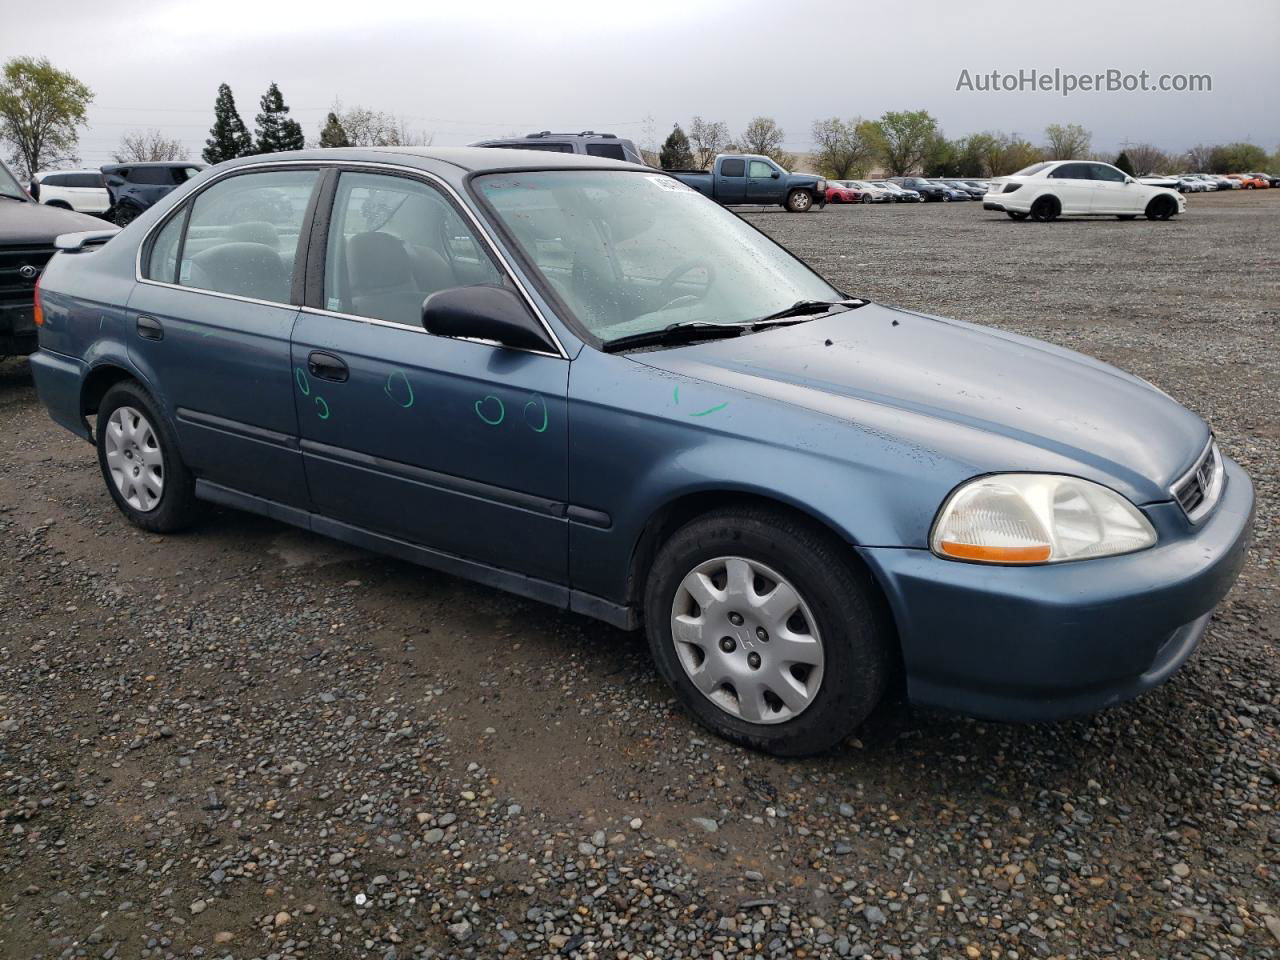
{"x":580,"y":381}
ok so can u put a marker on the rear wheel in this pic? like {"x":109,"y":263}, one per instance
{"x":1016,"y":215}
{"x":138,"y":454}
{"x":125,"y":214}
{"x":1045,"y":209}
{"x":799,"y":201}
{"x":1161,"y":208}
{"x":766,"y":631}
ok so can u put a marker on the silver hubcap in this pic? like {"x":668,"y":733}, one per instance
{"x":802,"y":201}
{"x":134,"y":459}
{"x":747,"y":640}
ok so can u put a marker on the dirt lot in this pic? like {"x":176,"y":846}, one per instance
{"x":248,"y":741}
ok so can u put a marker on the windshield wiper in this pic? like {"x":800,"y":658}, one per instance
{"x":684,"y":332}
{"x":803,"y":308}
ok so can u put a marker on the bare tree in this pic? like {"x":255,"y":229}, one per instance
{"x":375,"y":128}
{"x":1148,"y":159}
{"x":707,"y":137}
{"x":842,"y":148}
{"x":764,"y":136}
{"x":1200,"y":158}
{"x":138,"y":146}
{"x":1070,"y":142}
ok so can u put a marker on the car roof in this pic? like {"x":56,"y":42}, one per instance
{"x":469,"y":159}
{"x":45,"y":173}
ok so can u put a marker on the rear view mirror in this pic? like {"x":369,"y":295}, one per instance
{"x":484,"y":313}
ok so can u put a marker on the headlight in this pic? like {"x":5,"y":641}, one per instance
{"x":1037,"y":518}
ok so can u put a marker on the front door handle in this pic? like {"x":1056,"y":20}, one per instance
{"x":325,"y":366}
{"x":149,"y":328}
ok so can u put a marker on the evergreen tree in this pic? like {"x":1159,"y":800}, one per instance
{"x":228,"y":137}
{"x":676,"y":153}
{"x":332,"y":134}
{"x":1124,"y":163}
{"x":275,"y":131}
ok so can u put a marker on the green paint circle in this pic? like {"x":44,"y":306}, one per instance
{"x":502,"y":410}
{"x":536,"y":401}
{"x":303,"y":383}
{"x":407,"y":385}
{"x":320,"y":402}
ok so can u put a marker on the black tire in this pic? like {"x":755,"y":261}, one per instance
{"x":177,"y":507}
{"x":800,"y":201}
{"x":867,"y":198}
{"x":857,"y":637}
{"x":1045,"y":208}
{"x":1161,"y":208}
{"x":1126,"y":216}
{"x":125,"y":214}
{"x":1016,"y":215}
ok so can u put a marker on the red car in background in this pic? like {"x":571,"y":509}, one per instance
{"x":839,"y":194}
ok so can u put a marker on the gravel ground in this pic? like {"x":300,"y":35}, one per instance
{"x":247,"y":741}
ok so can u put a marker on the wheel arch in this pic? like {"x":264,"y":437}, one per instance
{"x":680,"y":510}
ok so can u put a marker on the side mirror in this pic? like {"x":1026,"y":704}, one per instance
{"x":484,"y":313}
{"x":1128,"y":180}
{"x":775,"y":175}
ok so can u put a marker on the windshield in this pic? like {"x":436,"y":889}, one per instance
{"x":8,"y":185}
{"x":631,"y":253}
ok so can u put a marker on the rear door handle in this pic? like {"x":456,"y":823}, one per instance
{"x":326,"y":366}
{"x":149,"y":328}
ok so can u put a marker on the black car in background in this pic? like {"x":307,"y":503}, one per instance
{"x":133,"y":187}
{"x":27,"y":231}
{"x":927,"y":189}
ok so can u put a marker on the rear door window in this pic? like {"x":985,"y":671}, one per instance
{"x":154,"y":176}
{"x":242,"y":236}
{"x":736,"y":167}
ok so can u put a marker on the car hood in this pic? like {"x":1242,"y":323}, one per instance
{"x":36,"y":224}
{"x":1003,"y":402}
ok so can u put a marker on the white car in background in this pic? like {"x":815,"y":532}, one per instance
{"x":80,"y":190}
{"x":896,"y":193}
{"x":870,"y":192}
{"x":1079,"y":188}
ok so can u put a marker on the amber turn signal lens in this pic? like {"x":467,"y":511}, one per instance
{"x":968,"y":551}
{"x":37,"y":311}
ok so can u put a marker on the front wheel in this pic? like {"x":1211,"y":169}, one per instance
{"x":768,"y":633}
{"x":1161,"y":208}
{"x":138,"y":454}
{"x":799,"y":201}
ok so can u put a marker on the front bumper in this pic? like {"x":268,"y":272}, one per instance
{"x":1046,"y":642}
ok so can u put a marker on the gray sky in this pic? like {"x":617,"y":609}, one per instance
{"x":463,"y":71}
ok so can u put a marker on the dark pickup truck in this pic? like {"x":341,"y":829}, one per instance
{"x":738,"y":179}
{"x":27,"y":232}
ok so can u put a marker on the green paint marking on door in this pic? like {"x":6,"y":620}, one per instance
{"x":304,"y":384}
{"x":322,"y":408}
{"x":492,"y":417}
{"x":392,"y":377}
{"x":537,"y":403}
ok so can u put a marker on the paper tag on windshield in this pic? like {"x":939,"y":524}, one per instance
{"x":675,"y":186}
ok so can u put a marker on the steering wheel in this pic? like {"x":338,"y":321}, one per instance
{"x":667,"y":286}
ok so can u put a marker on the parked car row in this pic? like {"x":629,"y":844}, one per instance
{"x":1209,"y":182}
{"x":117,"y":191}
